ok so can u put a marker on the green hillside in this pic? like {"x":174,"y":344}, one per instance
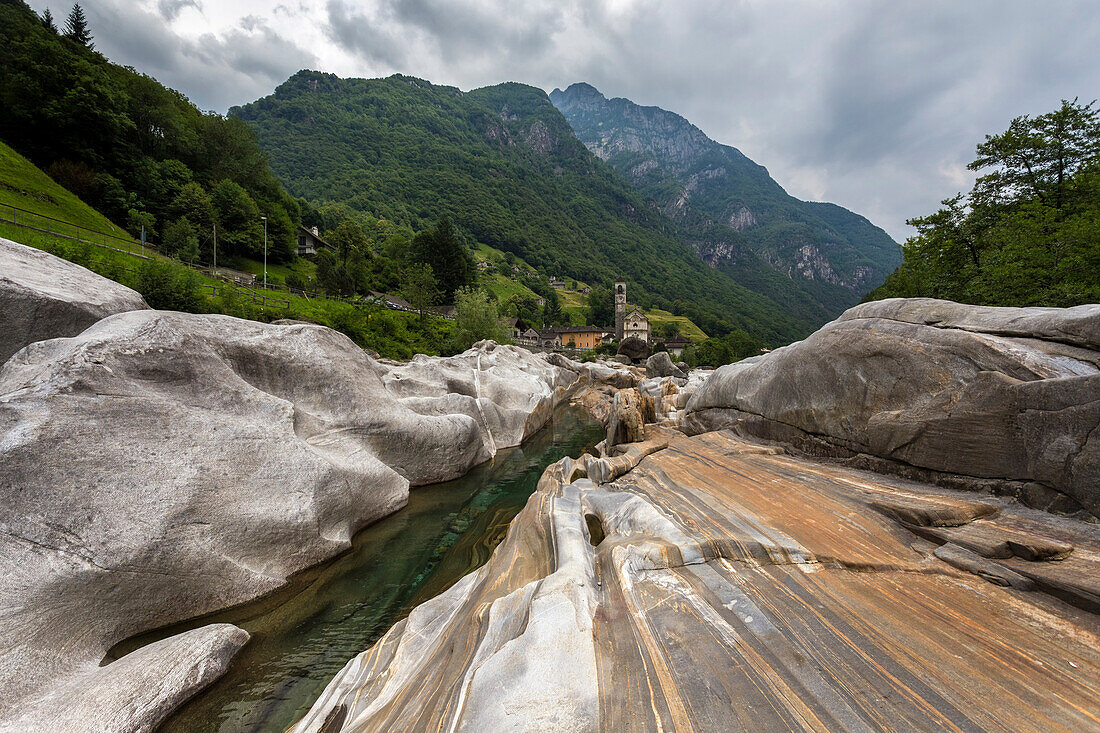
{"x":504,"y":165}
{"x":136,"y":151}
{"x":814,"y":258}
{"x":168,"y":284}
{"x":24,"y":186}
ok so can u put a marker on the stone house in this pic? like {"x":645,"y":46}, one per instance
{"x":676,"y":345}
{"x":549,"y":338}
{"x":584,"y":337}
{"x":309,"y":241}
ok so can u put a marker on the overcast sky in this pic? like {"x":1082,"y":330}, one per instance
{"x":875,"y":105}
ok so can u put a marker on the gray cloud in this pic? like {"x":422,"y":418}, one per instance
{"x":873,"y":104}
{"x":216,"y":70}
{"x":171,"y":9}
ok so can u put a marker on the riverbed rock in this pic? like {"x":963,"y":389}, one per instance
{"x":631,"y":409}
{"x":159,"y":466}
{"x":44,"y":297}
{"x":722,"y":585}
{"x":507,"y":390}
{"x":660,"y":365}
{"x":634,"y":348}
{"x":1002,"y":399}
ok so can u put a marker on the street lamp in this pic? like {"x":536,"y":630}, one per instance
{"x":265,"y":251}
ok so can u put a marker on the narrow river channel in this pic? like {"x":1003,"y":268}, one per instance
{"x":305,"y":633}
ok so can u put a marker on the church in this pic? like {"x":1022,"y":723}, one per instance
{"x":629,"y":324}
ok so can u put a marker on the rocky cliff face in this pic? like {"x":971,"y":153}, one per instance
{"x":1002,"y":399}
{"x":159,"y":466}
{"x":724,"y":200}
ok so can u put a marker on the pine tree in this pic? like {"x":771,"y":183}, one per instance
{"x":76,"y":28}
{"x":47,"y":20}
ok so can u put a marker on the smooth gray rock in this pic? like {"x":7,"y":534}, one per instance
{"x":660,"y":365}
{"x":590,"y":372}
{"x":995,"y":393}
{"x":164,"y":465}
{"x":509,"y":392}
{"x":44,"y":297}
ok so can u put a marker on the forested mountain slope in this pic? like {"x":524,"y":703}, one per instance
{"x":141,"y":154}
{"x":725,"y":203}
{"x":504,"y":165}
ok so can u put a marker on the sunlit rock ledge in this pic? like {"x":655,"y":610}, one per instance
{"x":723,"y":585}
{"x":42,"y":296}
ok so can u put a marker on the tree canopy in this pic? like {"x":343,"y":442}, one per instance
{"x":124,"y":143}
{"x":476,"y":319}
{"x":442,"y":250}
{"x":1028,"y":232}
{"x":76,"y":27}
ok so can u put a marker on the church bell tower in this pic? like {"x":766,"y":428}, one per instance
{"x":620,"y":308}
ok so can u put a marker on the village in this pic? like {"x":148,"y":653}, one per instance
{"x":630,"y":322}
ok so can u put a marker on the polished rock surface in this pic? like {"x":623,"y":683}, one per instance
{"x":998,"y":399}
{"x":45,"y":297}
{"x":160,"y":466}
{"x":722,"y":585}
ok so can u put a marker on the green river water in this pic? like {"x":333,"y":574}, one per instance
{"x":305,"y":633}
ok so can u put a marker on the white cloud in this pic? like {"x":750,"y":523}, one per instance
{"x":873,"y":104}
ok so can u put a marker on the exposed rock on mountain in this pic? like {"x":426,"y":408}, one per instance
{"x":728,"y":204}
{"x":720,"y":585}
{"x":999,"y":399}
{"x":45,"y":297}
{"x":160,"y":465}
{"x":504,"y":165}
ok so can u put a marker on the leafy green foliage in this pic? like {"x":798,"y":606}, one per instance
{"x":123,"y":142}
{"x":601,"y":307}
{"x":476,"y":319}
{"x":714,"y":352}
{"x":504,"y":167}
{"x":180,"y":240}
{"x":420,"y":288}
{"x":1028,"y":233}
{"x":76,"y":27}
{"x":449,"y":258}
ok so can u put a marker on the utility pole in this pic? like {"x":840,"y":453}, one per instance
{"x":265,"y":251}
{"x":215,"y":250}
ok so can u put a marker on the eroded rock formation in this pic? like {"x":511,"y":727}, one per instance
{"x":999,"y":399}
{"x":660,"y":365}
{"x":45,"y":297}
{"x":160,"y":465}
{"x":721,"y":585}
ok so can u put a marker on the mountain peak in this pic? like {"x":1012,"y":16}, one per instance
{"x":723,"y":198}
{"x":577,"y":93}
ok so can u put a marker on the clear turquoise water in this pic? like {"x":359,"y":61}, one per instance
{"x":304,"y":634}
